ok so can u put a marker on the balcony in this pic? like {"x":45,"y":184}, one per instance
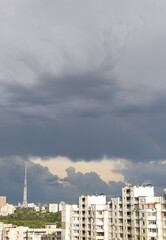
{"x":152,"y":218}
{"x":99,"y":216}
{"x":99,"y":230}
{"x":152,"y":234}
{"x":100,"y":235}
{"x":98,"y":222}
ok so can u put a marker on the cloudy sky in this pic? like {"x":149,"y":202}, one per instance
{"x":82,"y":97}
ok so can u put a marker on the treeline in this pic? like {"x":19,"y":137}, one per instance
{"x":28,"y":217}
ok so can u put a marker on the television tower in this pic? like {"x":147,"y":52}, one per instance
{"x":25,"y":204}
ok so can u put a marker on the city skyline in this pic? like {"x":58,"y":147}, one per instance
{"x":82,"y":97}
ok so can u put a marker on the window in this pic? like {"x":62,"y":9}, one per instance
{"x":152,"y":214}
{"x":151,"y":206}
{"x":128,"y":191}
{"x":100,"y":234}
{"x":153,"y":230}
{"x":152,"y":222}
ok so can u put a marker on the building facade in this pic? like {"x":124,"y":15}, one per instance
{"x":87,"y":220}
{"x":136,"y":215}
{"x":10,"y":232}
{"x":2,"y":201}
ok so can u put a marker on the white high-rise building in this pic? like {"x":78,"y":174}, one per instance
{"x":86,"y":221}
{"x":163,"y":210}
{"x":1,"y":230}
{"x":136,"y":215}
{"x":124,"y":212}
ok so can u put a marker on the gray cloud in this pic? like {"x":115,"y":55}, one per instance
{"x":79,"y":83}
{"x":45,"y":187}
{"x":144,"y":173}
{"x":77,"y":117}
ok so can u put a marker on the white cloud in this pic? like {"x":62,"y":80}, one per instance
{"x":105,"y":168}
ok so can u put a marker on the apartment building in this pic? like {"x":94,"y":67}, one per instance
{"x":136,"y":215}
{"x":163,"y":209}
{"x":87,"y":220}
{"x":50,"y":232}
{"x":1,"y":230}
{"x":70,"y":221}
{"x":150,"y":218}
{"x":10,"y":232}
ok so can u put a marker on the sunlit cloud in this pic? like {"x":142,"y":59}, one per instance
{"x":105,"y":168}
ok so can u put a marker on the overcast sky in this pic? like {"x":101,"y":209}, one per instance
{"x":82,"y":97}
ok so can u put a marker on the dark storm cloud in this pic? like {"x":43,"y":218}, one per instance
{"x":76,"y":116}
{"x":79,"y":83}
{"x":90,"y":87}
{"x":45,"y":187}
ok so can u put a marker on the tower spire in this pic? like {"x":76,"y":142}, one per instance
{"x":25,"y":188}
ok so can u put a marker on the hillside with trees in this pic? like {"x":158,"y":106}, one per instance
{"x":30,"y":218}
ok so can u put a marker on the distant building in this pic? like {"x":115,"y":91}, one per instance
{"x":7,"y":209}
{"x":60,"y":206}
{"x":31,"y":205}
{"x":10,"y":232}
{"x":53,"y":207}
{"x":2,"y":201}
{"x":50,"y":232}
